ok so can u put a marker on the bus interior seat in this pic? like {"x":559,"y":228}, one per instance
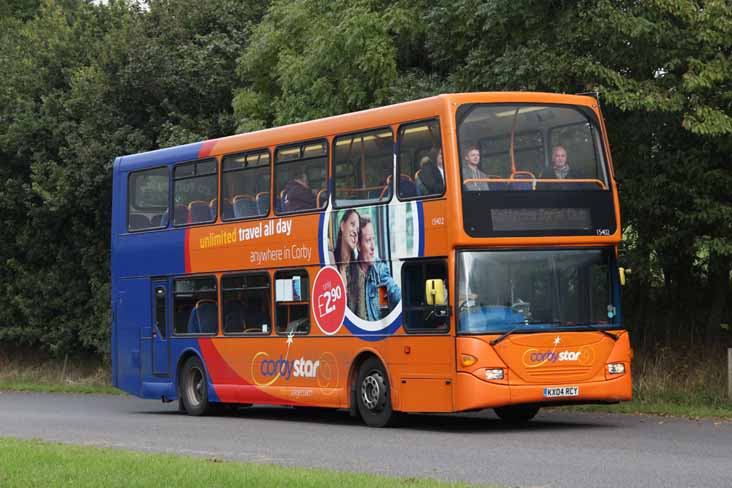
{"x":213,"y":207}
{"x":244,"y":206}
{"x":160,"y":220}
{"x":530,"y":183}
{"x":227,"y":209}
{"x":139,"y":221}
{"x":233,"y":316}
{"x":199,"y":211}
{"x":262,"y":200}
{"x":498,"y":185}
{"x":180,"y":215}
{"x":407,"y":188}
{"x":204,"y":318}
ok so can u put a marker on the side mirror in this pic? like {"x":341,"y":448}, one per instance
{"x":434,"y":291}
{"x":622,"y":272}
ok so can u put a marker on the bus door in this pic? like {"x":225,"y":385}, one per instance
{"x":160,"y":344}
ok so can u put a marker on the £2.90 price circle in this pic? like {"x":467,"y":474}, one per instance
{"x":329,"y":300}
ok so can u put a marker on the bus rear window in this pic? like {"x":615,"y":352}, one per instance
{"x":148,"y":196}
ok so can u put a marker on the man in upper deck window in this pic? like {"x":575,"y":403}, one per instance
{"x":560,"y":169}
{"x":472,"y":171}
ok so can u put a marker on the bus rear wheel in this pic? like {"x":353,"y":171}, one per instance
{"x":373,"y":395}
{"x":194,"y":387}
{"x":517,"y":414}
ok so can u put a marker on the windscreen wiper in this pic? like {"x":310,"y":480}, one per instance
{"x":588,"y":325}
{"x":521,"y":325}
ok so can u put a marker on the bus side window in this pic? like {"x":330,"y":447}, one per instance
{"x":148,"y":195}
{"x":246,"y":304}
{"x":245,"y":185}
{"x":421,"y":165}
{"x":301,"y":176}
{"x":196,"y":306}
{"x":363,"y":165}
{"x":194,"y":187}
{"x":425,"y":305}
{"x":292,"y":296}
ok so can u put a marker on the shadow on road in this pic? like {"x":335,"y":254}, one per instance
{"x":477,"y":422}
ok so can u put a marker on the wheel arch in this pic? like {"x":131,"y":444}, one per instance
{"x":184,"y":356}
{"x":360,"y":358}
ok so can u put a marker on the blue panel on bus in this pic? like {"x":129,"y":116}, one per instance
{"x":156,"y":253}
{"x":161,"y":156}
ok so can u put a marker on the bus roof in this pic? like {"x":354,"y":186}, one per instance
{"x":337,"y":124}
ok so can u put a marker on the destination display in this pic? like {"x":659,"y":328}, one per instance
{"x":532,"y":219}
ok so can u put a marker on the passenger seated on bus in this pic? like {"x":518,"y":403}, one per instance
{"x":471,"y":171}
{"x":428,"y":178}
{"x":298,"y":194}
{"x":560,"y":169}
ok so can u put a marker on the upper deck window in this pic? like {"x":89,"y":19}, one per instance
{"x":245,"y":185}
{"x":194,"y":191}
{"x":363,"y":167}
{"x":536,"y":147}
{"x":301,"y":177}
{"x":147,"y":199}
{"x":533,"y":170}
{"x":421,"y":167}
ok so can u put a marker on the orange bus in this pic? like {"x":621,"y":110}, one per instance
{"x":448,"y":254}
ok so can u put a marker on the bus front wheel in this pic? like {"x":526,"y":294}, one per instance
{"x":194,"y":387}
{"x":516,"y":414}
{"x":373,"y":396}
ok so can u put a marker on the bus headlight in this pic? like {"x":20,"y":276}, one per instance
{"x":616,"y":368}
{"x":494,"y":374}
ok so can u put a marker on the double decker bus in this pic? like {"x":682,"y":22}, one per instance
{"x":448,"y":254}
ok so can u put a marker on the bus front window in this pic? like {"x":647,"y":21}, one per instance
{"x":503,"y":290}
{"x":520,"y":147}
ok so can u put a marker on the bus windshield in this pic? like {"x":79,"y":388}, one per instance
{"x":529,"y":147}
{"x":504,"y":290}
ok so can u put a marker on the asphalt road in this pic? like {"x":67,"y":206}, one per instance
{"x":558,"y":449}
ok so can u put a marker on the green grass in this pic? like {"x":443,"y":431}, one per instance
{"x":36,"y":463}
{"x":692,"y":384}
{"x":58,"y":388}
{"x":34,"y":374}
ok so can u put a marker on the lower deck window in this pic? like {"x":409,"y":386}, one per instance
{"x":292,"y":295}
{"x":196,"y":306}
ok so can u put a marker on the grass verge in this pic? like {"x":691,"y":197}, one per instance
{"x":691,"y":384}
{"x":22,"y":371}
{"x":35,"y":463}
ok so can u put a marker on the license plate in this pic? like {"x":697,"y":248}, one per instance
{"x":562,"y":391}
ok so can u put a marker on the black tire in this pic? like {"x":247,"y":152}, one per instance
{"x":373,"y":395}
{"x":194,"y":387}
{"x":517,"y":414}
